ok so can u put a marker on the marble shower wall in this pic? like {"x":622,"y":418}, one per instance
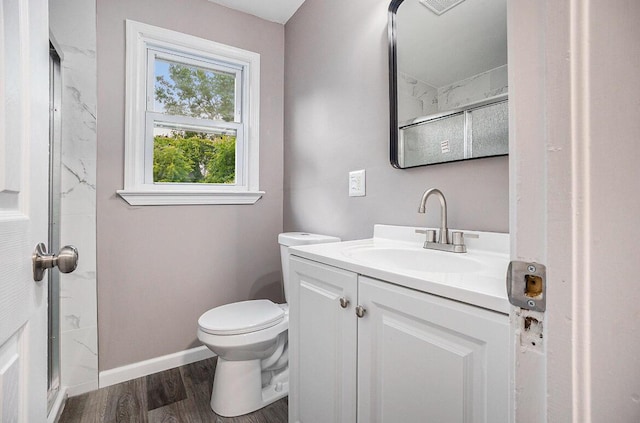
{"x":476,"y":88}
{"x":72,"y":24}
{"x":418,"y":98}
{"x":415,"y":98}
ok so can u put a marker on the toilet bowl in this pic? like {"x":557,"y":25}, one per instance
{"x":250,"y":340}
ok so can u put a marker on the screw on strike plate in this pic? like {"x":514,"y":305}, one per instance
{"x":531,"y":268}
{"x":531,"y":303}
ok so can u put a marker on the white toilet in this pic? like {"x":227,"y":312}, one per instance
{"x":250,"y":339}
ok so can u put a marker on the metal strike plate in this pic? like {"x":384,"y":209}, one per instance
{"x":526,"y":285}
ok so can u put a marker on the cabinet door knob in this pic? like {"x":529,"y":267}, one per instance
{"x":360,"y":311}
{"x":344,"y":303}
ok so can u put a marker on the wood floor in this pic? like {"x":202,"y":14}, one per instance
{"x":178,"y":395}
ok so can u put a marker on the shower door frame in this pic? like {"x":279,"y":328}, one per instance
{"x":55,"y":143}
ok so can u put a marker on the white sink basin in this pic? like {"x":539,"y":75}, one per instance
{"x":415,"y":259}
{"x":395,"y":255}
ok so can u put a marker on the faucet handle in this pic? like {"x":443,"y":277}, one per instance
{"x":458,"y":237}
{"x":431,"y":234}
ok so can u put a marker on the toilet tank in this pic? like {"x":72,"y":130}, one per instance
{"x":292,"y":239}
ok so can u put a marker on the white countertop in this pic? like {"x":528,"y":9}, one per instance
{"x":484,"y":288}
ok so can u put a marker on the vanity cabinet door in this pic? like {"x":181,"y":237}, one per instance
{"x":423,"y":358}
{"x":322,"y":343}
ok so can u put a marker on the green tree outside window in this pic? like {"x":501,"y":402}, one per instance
{"x":195,"y":157}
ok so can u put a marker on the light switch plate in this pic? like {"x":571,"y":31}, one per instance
{"x":357,"y":183}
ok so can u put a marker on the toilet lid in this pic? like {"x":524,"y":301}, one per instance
{"x":242,"y":317}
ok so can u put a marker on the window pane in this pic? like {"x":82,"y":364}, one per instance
{"x":193,"y":156}
{"x":187,"y":90}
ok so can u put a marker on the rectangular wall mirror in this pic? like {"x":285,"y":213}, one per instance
{"x":448,"y":80}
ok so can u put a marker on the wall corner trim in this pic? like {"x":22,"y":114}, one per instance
{"x":153,"y":365}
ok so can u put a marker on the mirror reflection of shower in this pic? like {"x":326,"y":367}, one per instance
{"x":448,"y":80}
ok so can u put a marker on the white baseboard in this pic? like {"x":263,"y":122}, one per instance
{"x":154,"y":365}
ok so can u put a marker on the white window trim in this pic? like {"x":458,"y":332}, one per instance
{"x":141,"y":37}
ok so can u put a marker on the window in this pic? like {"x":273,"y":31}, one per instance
{"x":191,"y":127}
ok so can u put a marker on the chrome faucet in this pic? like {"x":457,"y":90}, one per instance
{"x":443,"y":244}
{"x":444,"y":231}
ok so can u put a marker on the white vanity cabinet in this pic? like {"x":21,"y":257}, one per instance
{"x":412,"y":357}
{"x":322,"y":343}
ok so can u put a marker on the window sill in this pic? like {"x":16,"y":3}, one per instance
{"x":182,"y":197}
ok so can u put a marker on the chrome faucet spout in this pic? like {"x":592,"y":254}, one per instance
{"x":443,"y":237}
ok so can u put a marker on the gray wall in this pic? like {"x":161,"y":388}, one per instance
{"x":336,"y":120}
{"x":161,"y":267}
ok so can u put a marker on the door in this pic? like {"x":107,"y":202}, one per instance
{"x":422,"y":358}
{"x":323,"y":343}
{"x":575,"y":201}
{"x":24,"y":133}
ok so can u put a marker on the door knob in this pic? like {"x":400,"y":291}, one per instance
{"x":66,"y":260}
{"x":360,"y":311}
{"x":344,"y":303}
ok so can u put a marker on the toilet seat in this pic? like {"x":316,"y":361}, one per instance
{"x":242,"y":317}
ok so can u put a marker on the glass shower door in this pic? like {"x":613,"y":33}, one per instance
{"x":53,"y":353}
